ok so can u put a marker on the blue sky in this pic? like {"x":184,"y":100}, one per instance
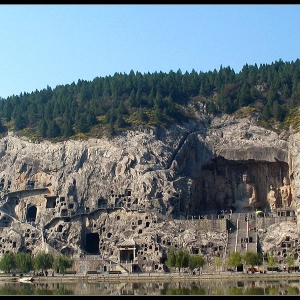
{"x":50,"y":45}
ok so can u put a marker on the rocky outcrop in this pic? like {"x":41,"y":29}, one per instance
{"x":91,"y":195}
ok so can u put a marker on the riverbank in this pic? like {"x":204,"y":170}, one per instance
{"x":162,"y":277}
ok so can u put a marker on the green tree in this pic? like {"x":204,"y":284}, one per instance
{"x":279,"y":111}
{"x":179,"y":259}
{"x":217,"y":262}
{"x":171,"y":259}
{"x":182,"y":259}
{"x":81,"y":123}
{"x":158,"y":114}
{"x":211,"y":107}
{"x":141,"y":116}
{"x":252,"y":259}
{"x":53,"y":129}
{"x":7,"y":110}
{"x":272,"y":96}
{"x":295,"y":97}
{"x":111,"y":116}
{"x":196,"y":261}
{"x":202,"y":90}
{"x":67,"y":129}
{"x":8,"y":262}
{"x":234,"y":259}
{"x":61,"y":263}
{"x":271,"y":259}
{"x":244,"y":95}
{"x":48,"y":115}
{"x":91,"y":118}
{"x":2,"y":127}
{"x":111,"y":128}
{"x":286,"y":91}
{"x":120,"y":122}
{"x":293,"y":290}
{"x":19,"y":122}
{"x":122,"y":110}
{"x":138,"y":97}
{"x":290,"y":260}
{"x":43,"y":261}
{"x":132,"y":99}
{"x":43,"y":128}
{"x":151,"y":97}
{"x":23,"y":262}
{"x":171,"y":110}
{"x":266,"y":113}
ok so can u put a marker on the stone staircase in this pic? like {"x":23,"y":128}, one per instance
{"x":232,"y":234}
{"x":252,"y":234}
{"x":242,"y":237}
{"x":242,"y":234}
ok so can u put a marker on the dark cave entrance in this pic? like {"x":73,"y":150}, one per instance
{"x":31,"y":214}
{"x":92,"y":243}
{"x":126,"y":255}
{"x":51,"y":201}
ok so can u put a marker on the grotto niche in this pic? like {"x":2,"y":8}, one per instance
{"x":222,"y":184}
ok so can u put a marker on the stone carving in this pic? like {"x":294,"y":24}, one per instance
{"x":272,"y":198}
{"x":206,"y":193}
{"x":247,"y":194}
{"x":20,"y":210}
{"x":286,"y":193}
{"x":152,"y":164}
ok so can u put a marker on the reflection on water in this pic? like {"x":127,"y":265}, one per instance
{"x":211,"y":287}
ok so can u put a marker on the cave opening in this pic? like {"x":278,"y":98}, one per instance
{"x":31,"y":214}
{"x":92,"y":243}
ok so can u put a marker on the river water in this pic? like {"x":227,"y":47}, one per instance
{"x":198,"y":287}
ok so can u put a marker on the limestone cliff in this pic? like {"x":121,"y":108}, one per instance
{"x":138,"y":186}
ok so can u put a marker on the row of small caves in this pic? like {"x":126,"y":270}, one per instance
{"x":66,"y":209}
{"x":128,"y":249}
{"x":121,"y":200}
{"x":92,"y":239}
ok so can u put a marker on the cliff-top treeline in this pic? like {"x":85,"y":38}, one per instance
{"x":107,"y":105}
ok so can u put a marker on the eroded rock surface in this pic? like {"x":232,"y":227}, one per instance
{"x":138,"y":187}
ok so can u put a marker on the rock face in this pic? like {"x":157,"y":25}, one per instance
{"x":136,"y":191}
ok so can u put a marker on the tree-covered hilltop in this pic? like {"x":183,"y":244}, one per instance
{"x":107,"y":105}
